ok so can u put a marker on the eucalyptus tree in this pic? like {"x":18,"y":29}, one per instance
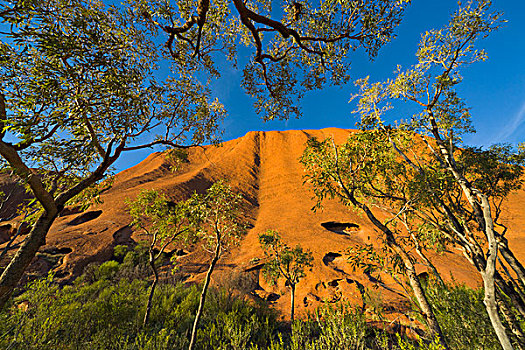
{"x":218,"y":225}
{"x":164,"y":223}
{"x":298,"y":46}
{"x":80,"y":88}
{"x":464,"y":186}
{"x":365,"y":176}
{"x":282,"y":261}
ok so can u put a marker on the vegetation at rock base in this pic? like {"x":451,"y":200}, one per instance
{"x":104,"y":309}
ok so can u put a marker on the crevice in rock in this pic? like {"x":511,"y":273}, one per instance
{"x":334,"y":283}
{"x":273,"y":297}
{"x":57,"y":251}
{"x":330,"y":257}
{"x":342,"y":228}
{"x":70,"y":211}
{"x":5,"y":233}
{"x":85,"y":217}
{"x":123,"y":236}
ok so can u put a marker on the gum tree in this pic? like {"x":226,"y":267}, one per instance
{"x":464,"y":186}
{"x":218,"y":225}
{"x":165,"y":223}
{"x":365,"y":176}
{"x":282,"y":261}
{"x":79,"y":89}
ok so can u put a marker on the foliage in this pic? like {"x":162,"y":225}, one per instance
{"x":106,"y":313}
{"x":108,"y":269}
{"x":176,"y":157}
{"x":432,"y":192}
{"x":163,"y":220}
{"x":341,"y":327}
{"x":462,"y":315}
{"x":297,"y":47}
{"x":366,"y":174}
{"x":217,"y":216}
{"x":283,"y":261}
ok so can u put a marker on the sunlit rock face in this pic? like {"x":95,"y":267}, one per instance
{"x":264,"y":168}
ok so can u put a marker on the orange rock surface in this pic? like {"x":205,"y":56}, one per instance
{"x":264,"y":167}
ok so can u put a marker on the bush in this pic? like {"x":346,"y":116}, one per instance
{"x":107,"y":314}
{"x":104,"y":309}
{"x":462,"y":316}
{"x":108,"y":270}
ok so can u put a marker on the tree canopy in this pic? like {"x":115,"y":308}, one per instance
{"x":297,"y":46}
{"x":79,"y":88}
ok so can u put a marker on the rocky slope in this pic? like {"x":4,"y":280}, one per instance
{"x":264,"y":167}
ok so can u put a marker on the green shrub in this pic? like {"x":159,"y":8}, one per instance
{"x":108,"y":270}
{"x":120,"y":251}
{"x":107,"y":314}
{"x":343,"y":327}
{"x":462,"y":316}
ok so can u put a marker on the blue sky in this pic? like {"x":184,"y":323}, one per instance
{"x":494,"y":89}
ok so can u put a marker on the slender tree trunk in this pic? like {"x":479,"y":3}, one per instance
{"x":511,"y":259}
{"x":488,"y":276}
{"x":152,"y":288}
{"x":512,"y":322}
{"x":292,"y":307}
{"x":492,"y":310}
{"x":203,"y":297}
{"x":481,"y":207}
{"x":25,"y":254}
{"x":421,"y":298}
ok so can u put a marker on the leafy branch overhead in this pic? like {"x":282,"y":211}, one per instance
{"x":298,"y":47}
{"x":95,"y":90}
{"x":79,"y":88}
